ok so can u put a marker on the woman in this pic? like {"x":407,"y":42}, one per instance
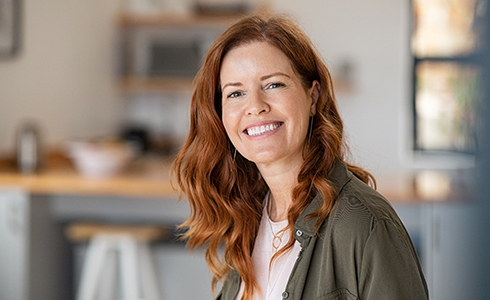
{"x":264,"y":171}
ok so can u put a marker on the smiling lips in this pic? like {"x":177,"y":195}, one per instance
{"x":258,"y":130}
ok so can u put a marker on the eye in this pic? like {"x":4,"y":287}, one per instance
{"x":274,"y":85}
{"x":234,"y":94}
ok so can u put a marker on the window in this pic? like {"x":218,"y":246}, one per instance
{"x":446,"y":46}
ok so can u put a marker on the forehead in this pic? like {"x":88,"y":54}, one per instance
{"x":253,"y":59}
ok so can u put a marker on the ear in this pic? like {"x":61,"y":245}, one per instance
{"x":314,"y":94}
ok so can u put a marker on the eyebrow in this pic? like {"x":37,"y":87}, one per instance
{"x":274,"y":74}
{"x":265,"y":77}
{"x":231,"y":84}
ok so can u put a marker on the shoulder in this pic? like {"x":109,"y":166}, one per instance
{"x":359,"y":209}
{"x":358,"y":199}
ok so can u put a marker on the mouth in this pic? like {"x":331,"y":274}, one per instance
{"x":262,"y":129}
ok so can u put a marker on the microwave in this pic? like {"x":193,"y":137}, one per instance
{"x":168,"y":52}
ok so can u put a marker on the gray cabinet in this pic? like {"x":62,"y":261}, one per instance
{"x":452,"y":251}
{"x":33,"y":252}
{"x":446,"y":237}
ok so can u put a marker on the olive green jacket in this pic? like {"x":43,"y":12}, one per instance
{"x":362,"y":251}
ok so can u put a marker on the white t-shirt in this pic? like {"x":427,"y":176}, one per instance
{"x":272,"y":282}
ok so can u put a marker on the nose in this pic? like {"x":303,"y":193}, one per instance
{"x":257,"y":104}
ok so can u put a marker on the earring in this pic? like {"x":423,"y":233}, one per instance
{"x":310,"y":130}
{"x":234,"y":155}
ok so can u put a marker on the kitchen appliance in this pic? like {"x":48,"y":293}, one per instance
{"x":167,"y":52}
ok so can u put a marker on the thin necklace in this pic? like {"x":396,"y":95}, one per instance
{"x":277,"y":239}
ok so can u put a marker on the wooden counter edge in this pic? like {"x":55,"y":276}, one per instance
{"x":115,"y":186}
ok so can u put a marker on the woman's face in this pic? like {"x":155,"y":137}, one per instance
{"x":265,"y":108}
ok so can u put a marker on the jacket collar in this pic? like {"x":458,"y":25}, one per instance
{"x":304,"y":227}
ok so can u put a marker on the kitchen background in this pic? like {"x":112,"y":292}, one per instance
{"x":67,"y":78}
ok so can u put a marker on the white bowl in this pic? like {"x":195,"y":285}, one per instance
{"x":98,"y":160}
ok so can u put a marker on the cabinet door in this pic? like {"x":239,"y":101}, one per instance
{"x":14,"y":226}
{"x":451,"y":250}
{"x":34,"y":255}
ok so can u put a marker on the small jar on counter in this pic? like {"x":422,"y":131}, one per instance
{"x":28,"y":148}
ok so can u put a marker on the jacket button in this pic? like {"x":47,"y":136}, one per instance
{"x":285,"y":295}
{"x":299,"y":232}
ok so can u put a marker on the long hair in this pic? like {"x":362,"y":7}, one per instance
{"x":225,"y":190}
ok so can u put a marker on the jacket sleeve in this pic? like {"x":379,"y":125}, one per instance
{"x":390,"y":268}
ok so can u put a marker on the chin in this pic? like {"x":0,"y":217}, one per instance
{"x":262,"y":159}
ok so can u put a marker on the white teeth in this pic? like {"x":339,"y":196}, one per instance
{"x":258,"y":130}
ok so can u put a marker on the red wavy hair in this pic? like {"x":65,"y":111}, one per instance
{"x":226,"y":192}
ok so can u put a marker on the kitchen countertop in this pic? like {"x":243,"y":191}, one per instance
{"x":146,"y":176}
{"x":149,"y":176}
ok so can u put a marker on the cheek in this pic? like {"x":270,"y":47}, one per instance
{"x":302,"y":117}
{"x":228,"y":121}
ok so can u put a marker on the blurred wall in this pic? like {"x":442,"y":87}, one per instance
{"x":63,"y":75}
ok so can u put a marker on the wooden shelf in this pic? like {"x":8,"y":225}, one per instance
{"x":159,"y":19}
{"x":131,"y":85}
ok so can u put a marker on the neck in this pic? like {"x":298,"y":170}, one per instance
{"x":281,"y":183}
